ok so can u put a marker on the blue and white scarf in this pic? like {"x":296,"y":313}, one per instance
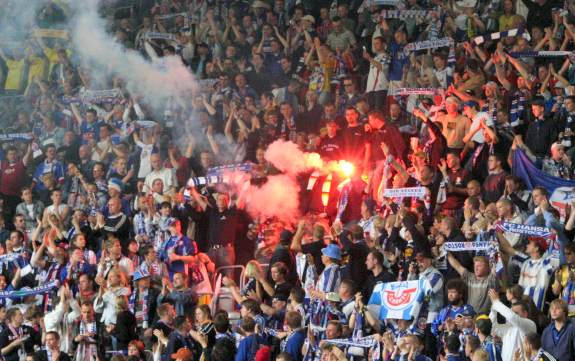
{"x":26,"y":291}
{"x":11,"y":137}
{"x":428,"y":44}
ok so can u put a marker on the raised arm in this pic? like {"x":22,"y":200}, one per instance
{"x":455,"y":264}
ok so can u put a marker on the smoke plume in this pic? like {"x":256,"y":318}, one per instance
{"x":288,"y":158}
{"x":157,"y":81}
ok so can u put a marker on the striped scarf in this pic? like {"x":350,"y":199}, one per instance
{"x":404,"y":14}
{"x":518,"y":102}
{"x":139,"y":307}
{"x":492,"y":111}
{"x":87,"y":350}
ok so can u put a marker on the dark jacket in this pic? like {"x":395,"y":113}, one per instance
{"x":564,"y":348}
{"x":43,"y":356}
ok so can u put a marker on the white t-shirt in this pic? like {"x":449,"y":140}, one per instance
{"x":145,"y":164}
{"x":479,"y":137}
{"x":377,"y":79}
{"x":167,"y":175}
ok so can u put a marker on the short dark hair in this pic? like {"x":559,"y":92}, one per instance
{"x":54,"y":333}
{"x":252,"y":306}
{"x":484,"y":326}
{"x":221,"y":322}
{"x":281,"y":268}
{"x":248,"y":324}
{"x":179,"y":321}
{"x":376,"y":114}
{"x":534,"y":340}
{"x":474,"y":342}
{"x":521,"y":304}
{"x":293,"y":319}
{"x":542,"y":190}
{"x":452,"y":343}
{"x":222,"y":350}
{"x":349,"y":285}
{"x":377,"y":255}
{"x":297,"y":294}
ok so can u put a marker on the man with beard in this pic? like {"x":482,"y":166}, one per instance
{"x":449,"y":315}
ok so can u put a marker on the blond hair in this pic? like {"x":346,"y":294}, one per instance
{"x":253,"y":267}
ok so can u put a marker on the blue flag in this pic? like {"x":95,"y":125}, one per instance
{"x":532,"y":176}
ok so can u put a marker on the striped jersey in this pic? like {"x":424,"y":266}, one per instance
{"x":535,"y":276}
{"x":329,"y":279}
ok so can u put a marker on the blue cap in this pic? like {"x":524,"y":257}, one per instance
{"x":471,"y":103}
{"x":116,"y":183}
{"x":332,"y":251}
{"x":140,"y":273}
{"x":468,"y":312}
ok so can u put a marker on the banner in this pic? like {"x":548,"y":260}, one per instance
{"x":170,"y":16}
{"x":543,"y":53}
{"x":404,"y":192}
{"x":51,"y":33}
{"x":415,"y":91}
{"x":153,"y":35}
{"x":466,"y":246}
{"x":11,"y":137}
{"x":381,"y":2}
{"x":428,"y":44}
{"x":500,"y":35}
{"x":399,"y":300}
{"x":365,"y":342}
{"x":525,"y":229}
{"x":238,"y":167}
{"x":403,"y":14}
{"x":146,"y":123}
{"x":29,"y":291}
{"x":95,"y":96}
{"x":101,"y":96}
{"x":206,"y":85}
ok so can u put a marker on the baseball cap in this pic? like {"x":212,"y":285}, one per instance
{"x":141,"y":273}
{"x":538,"y":100}
{"x":184,"y":354}
{"x":470,"y":103}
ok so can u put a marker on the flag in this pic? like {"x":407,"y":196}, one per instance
{"x":398,"y":300}
{"x":562,"y":191}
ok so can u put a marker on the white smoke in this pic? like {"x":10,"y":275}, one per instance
{"x":156,"y":81}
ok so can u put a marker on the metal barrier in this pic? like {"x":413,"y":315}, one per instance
{"x":215,"y":298}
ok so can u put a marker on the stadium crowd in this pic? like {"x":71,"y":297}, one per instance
{"x":451,"y":239}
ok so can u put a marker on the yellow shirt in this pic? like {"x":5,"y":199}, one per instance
{"x":506,"y":22}
{"x":15,"y":74}
{"x":38,"y":67}
{"x":52,"y":55}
